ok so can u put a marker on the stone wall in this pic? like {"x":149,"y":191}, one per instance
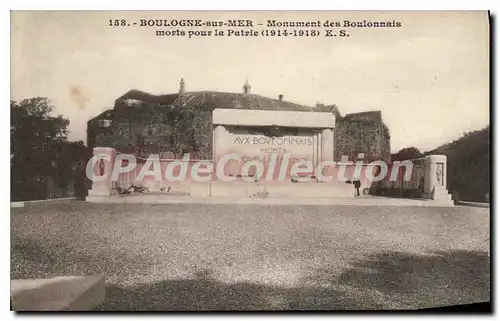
{"x":155,"y":129}
{"x":362,"y":133}
{"x":147,"y":127}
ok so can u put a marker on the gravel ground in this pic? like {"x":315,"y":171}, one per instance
{"x":228,"y":257}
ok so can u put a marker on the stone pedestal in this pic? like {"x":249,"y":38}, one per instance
{"x":327,"y":144}
{"x":435,"y":178}
{"x":326,"y":148}
{"x":99,"y":169}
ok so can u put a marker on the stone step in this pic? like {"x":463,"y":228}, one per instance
{"x":256,"y":189}
{"x":442,"y":194}
{"x":327,"y":201}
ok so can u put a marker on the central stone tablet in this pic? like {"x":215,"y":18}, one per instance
{"x":259,"y":134}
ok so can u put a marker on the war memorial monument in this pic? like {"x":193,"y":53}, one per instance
{"x":207,"y":127}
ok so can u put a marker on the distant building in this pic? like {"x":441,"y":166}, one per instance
{"x":179,"y":123}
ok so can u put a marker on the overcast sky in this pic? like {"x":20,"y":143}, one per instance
{"x":430,"y":77}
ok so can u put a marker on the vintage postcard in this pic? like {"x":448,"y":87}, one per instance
{"x":253,"y":160}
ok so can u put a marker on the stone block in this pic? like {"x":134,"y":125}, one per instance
{"x":199,"y":189}
{"x":242,"y":117}
{"x":16,"y":204}
{"x":231,"y":189}
{"x":66,"y":293}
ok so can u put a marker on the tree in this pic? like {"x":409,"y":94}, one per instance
{"x":406,"y":153}
{"x":39,"y":148}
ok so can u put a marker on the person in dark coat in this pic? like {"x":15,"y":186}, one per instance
{"x":357,"y":185}
{"x":421,"y":184}
{"x":82,"y":182}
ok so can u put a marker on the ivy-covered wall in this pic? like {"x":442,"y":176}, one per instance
{"x":362,"y":133}
{"x":185,"y":126}
{"x":156,"y":129}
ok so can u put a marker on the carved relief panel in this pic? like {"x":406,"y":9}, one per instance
{"x":439,"y":173}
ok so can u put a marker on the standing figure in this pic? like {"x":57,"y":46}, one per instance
{"x":82,"y":182}
{"x":357,"y":184}
{"x":421,"y":184}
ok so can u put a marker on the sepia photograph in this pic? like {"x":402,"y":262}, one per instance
{"x":250,"y":161}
